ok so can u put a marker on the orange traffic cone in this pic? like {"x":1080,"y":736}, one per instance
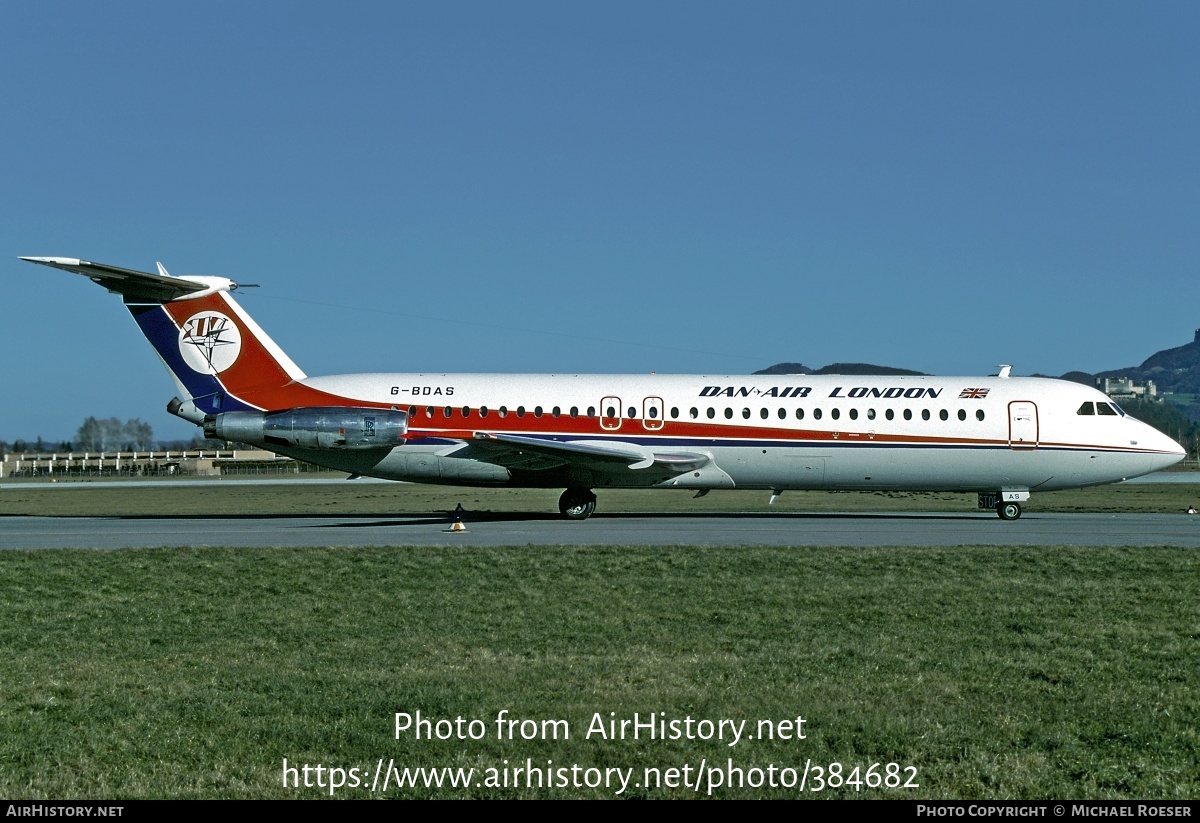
{"x":458,"y":525}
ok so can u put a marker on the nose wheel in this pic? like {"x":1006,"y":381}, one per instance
{"x":1008,"y":511}
{"x":577,"y":504}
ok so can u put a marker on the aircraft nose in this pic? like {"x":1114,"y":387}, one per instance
{"x":1168,"y":451}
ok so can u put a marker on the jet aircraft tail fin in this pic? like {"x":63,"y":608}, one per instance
{"x":219,"y":357}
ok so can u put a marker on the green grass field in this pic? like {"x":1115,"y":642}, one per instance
{"x":1048,"y":672}
{"x":1036,"y":673}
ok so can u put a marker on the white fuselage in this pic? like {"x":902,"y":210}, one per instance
{"x":767,"y":432}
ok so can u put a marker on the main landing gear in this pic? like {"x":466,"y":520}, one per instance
{"x":577,"y":504}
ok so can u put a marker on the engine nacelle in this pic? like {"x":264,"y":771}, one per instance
{"x":333,"y":427}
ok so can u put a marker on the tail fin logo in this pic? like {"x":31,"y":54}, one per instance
{"x":210,"y":342}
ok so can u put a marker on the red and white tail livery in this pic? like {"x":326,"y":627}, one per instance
{"x":1002,"y":437}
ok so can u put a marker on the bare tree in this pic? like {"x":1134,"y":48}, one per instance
{"x":88,"y":437}
{"x":103,"y":435}
{"x":137,"y":435}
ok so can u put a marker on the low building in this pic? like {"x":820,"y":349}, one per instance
{"x":1126,"y":388}
{"x":201,"y":462}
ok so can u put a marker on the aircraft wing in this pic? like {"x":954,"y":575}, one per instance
{"x":535,"y":453}
{"x":134,"y":286}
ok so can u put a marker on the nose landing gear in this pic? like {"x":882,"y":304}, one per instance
{"x":1008,"y":511}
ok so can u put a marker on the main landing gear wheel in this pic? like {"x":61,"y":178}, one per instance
{"x":1008,"y":511}
{"x":577,"y":504}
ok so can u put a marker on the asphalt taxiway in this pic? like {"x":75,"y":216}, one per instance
{"x":496,"y":529}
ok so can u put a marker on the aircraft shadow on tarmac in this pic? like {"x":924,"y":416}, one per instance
{"x":384,"y":519}
{"x":470,"y":518}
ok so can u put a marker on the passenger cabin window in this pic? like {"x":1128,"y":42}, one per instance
{"x":1087,"y":408}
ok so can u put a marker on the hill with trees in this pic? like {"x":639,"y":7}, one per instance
{"x":838,"y":368}
{"x":1174,"y":371}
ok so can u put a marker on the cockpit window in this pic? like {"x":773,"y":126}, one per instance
{"x":1107,"y":408}
{"x":1087,"y":408}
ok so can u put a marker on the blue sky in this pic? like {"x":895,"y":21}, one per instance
{"x":606,"y":187}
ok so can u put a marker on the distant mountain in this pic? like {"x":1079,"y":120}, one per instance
{"x":838,"y":368}
{"x":1081,"y":377}
{"x":866,"y":368}
{"x":1173,"y":370}
{"x":786,"y":368}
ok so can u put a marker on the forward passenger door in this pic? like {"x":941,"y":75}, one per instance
{"x":1022,"y":425}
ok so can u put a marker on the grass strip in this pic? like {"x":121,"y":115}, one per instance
{"x":1049,"y":672}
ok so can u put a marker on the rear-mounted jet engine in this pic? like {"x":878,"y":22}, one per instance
{"x":312,"y":428}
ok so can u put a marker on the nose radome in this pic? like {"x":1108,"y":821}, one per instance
{"x":1168,"y":451}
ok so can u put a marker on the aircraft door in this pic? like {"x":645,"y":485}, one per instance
{"x":652,"y":413}
{"x":610,"y":413}
{"x":1022,"y":425}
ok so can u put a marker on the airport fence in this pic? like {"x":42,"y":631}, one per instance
{"x":195,"y":463}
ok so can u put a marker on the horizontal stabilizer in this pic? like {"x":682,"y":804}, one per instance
{"x":134,"y":286}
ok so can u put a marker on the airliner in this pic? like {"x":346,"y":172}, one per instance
{"x":1002,"y":437}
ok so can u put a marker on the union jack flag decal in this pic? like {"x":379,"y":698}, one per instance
{"x":972,"y":394}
